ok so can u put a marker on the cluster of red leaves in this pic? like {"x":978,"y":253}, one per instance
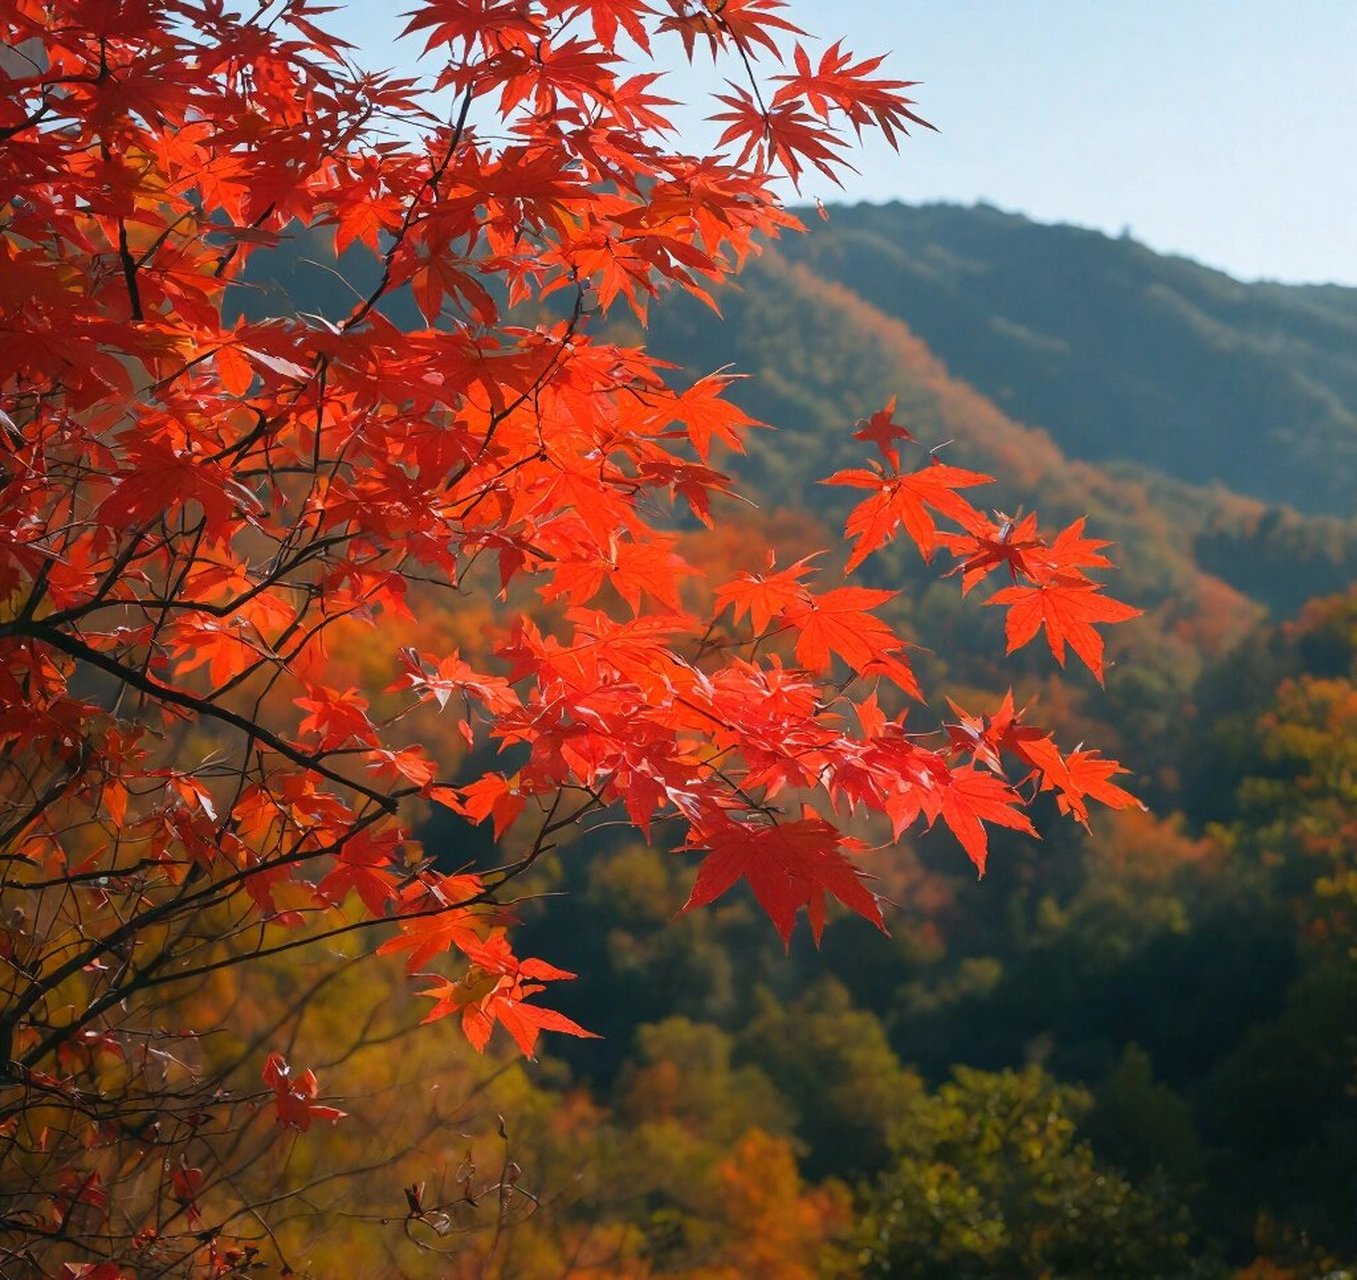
{"x":191,"y":501}
{"x":1050,"y":590}
{"x":295,"y":1106}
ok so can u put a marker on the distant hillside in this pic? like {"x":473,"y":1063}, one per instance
{"x":820,"y":357}
{"x":1120,"y":353}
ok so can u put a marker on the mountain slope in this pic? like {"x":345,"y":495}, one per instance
{"x":1120,"y":353}
{"x":821,"y":357}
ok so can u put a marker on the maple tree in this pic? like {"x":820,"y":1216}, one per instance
{"x":196,"y":505}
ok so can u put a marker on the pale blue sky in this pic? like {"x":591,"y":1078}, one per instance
{"x":1225,"y":130}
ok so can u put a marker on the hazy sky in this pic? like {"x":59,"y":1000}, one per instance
{"x":1225,"y":130}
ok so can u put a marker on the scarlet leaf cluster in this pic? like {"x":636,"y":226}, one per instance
{"x":1050,"y":588}
{"x":294,"y":1100}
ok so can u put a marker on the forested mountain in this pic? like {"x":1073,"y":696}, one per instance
{"x":829,"y":324}
{"x":1120,"y":353}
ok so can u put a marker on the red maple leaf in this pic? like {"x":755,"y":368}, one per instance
{"x":839,"y":84}
{"x":294,"y":1096}
{"x":1071,"y":550}
{"x":493,"y":795}
{"x":335,"y":718}
{"x":764,"y":596}
{"x":908,"y":500}
{"x":434,"y":918}
{"x":409,"y":762}
{"x":1015,"y":544}
{"x":780,"y":130}
{"x":883,"y":431}
{"x":633,"y":569}
{"x":986,"y":738}
{"x":838,"y":623}
{"x":745,"y":22}
{"x":1081,"y":776}
{"x":972,"y":797}
{"x":188,"y":1184}
{"x":495,"y":989}
{"x":1067,"y":608}
{"x":608,"y":15}
{"x":789,"y":865}
{"x":708,"y":415}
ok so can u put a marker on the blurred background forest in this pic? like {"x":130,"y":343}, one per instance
{"x":1127,"y":1052}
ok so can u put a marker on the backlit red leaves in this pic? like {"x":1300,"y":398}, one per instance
{"x":1050,"y":588}
{"x":882,"y":430}
{"x":440,"y":679}
{"x":335,"y":719}
{"x":982,"y":552}
{"x":220,"y":538}
{"x":365,"y":866}
{"x":840,"y":85}
{"x":409,"y":763}
{"x":782,"y":132}
{"x":708,"y":415}
{"x":633,"y":569}
{"x":838,"y":624}
{"x":294,"y":1095}
{"x":750,"y":24}
{"x":764,"y":596}
{"x":1079,"y":777}
{"x":907,"y":500}
{"x":789,"y":865}
{"x":495,"y":989}
{"x":972,"y":797}
{"x":608,"y":15}
{"x":465,"y":22}
{"x":439,"y":278}
{"x":492,"y":796}
{"x":986,"y":739}
{"x":435,"y":916}
{"x":1068,"y":610}
{"x":1075,"y":779}
{"x":157,"y":475}
{"x":198,"y":509}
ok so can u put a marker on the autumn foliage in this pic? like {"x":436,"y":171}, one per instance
{"x":196,"y":505}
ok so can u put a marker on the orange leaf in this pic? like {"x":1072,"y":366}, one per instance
{"x":1085,"y":775}
{"x":837,"y":623}
{"x":1068,"y":610}
{"x":763,"y":597}
{"x":908,"y":500}
{"x":973,"y":797}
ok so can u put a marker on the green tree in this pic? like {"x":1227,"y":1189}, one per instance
{"x":834,"y":1065}
{"x":989,"y":1178}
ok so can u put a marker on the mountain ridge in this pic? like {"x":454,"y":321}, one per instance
{"x":820,"y":357}
{"x":1120,"y":353}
